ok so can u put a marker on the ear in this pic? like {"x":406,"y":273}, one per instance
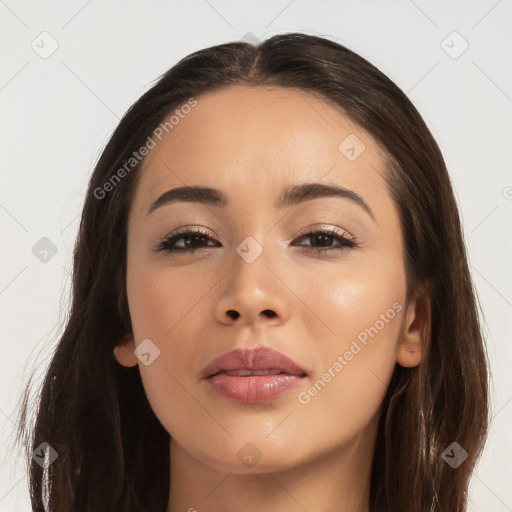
{"x":415,"y":339}
{"x":124,"y":351}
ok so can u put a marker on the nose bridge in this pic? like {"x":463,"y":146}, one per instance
{"x":251,"y":289}
{"x":250,"y":275}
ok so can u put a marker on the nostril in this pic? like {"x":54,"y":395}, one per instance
{"x":234,"y":314}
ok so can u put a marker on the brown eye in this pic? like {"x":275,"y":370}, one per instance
{"x":191,"y":241}
{"x":321,"y":240}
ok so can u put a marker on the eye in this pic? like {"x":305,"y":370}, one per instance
{"x":322,"y":240}
{"x":189,"y":241}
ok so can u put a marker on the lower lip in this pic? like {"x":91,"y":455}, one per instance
{"x":255,"y":388}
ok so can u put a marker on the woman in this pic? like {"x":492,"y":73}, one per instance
{"x":272,"y":307}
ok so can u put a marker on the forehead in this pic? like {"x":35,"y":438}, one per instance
{"x":253,"y":140}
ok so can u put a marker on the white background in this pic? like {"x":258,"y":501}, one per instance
{"x":57,"y":114}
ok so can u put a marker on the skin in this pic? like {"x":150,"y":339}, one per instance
{"x":250,"y":143}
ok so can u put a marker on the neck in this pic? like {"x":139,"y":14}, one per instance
{"x":337,"y":481}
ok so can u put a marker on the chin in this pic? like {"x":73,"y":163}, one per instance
{"x":247,"y":454}
{"x":269,"y":464}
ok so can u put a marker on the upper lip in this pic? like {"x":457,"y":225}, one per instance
{"x":254,"y":358}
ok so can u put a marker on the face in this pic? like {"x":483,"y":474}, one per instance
{"x":319,"y":279}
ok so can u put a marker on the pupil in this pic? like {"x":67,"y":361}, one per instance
{"x":319,"y":237}
{"x":190,"y":240}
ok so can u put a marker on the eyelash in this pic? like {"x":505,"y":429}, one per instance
{"x":346,"y":244}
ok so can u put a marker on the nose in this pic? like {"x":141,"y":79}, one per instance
{"x":252,"y":293}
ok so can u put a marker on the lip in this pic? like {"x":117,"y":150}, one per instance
{"x":253,"y":388}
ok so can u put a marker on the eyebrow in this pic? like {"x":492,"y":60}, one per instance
{"x":290,"y":196}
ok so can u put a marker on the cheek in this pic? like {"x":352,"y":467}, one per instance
{"x":162,"y":300}
{"x":164,"y":307}
{"x":360,"y":313}
{"x":171,"y":306}
{"x":349,"y":301}
{"x":357,"y":364}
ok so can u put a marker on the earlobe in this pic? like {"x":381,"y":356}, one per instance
{"x":409,"y":357}
{"x":415,"y":338}
{"x":123,"y":351}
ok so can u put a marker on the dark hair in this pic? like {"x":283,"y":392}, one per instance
{"x":113,"y":453}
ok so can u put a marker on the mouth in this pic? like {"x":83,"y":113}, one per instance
{"x":250,"y":373}
{"x":253,"y":375}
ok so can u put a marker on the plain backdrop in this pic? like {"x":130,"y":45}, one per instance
{"x":69,"y":70}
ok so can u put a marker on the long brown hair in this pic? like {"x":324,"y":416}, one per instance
{"x":113,"y":454}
